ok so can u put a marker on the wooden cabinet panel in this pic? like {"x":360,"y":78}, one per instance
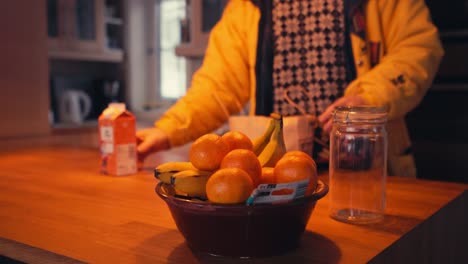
{"x":449,"y":17}
{"x":85,"y":30}
{"x":439,"y":131}
{"x":24,"y":100}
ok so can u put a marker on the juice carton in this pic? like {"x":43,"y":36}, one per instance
{"x":117,"y":140}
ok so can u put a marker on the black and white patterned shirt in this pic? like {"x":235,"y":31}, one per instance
{"x":308,"y":55}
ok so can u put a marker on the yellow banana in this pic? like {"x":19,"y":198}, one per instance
{"x":260,"y":142}
{"x":164,"y":171}
{"x":276,"y":148}
{"x":191,"y":182}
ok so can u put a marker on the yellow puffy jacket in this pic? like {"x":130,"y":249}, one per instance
{"x":408,"y":57}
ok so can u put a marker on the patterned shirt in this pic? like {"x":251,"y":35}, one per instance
{"x":308,"y":55}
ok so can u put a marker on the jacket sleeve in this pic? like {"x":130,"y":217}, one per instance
{"x":219,"y":88}
{"x":411,"y":57}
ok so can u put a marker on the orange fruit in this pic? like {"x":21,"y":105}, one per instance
{"x":268,"y":175}
{"x":237,"y":140}
{"x":207,"y":152}
{"x":301,"y":154}
{"x":293,"y":168}
{"x":229,"y":186}
{"x":246,"y":160}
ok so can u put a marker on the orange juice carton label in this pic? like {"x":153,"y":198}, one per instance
{"x":117,"y":138}
{"x":278,"y":192}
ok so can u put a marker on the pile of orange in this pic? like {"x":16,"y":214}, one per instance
{"x":237,"y":170}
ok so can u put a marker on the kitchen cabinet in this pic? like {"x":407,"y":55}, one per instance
{"x":24,"y":97}
{"x":451,"y":19}
{"x":438,"y":125}
{"x":86,"y":56}
{"x":202,"y":15}
{"x":439,"y":131}
{"x":85,"y":30}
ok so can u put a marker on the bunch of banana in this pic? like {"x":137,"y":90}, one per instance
{"x":260,"y":142}
{"x":164,"y":171}
{"x":275,"y":147}
{"x":191,"y":182}
{"x":184,"y":177}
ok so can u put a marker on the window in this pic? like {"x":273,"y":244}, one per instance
{"x":161,"y":55}
{"x":172,"y":69}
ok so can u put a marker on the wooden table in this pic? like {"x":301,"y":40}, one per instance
{"x":55,"y":207}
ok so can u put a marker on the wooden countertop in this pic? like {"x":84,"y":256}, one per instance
{"x":56,"y":207}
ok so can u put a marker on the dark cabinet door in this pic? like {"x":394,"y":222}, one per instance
{"x":449,"y":15}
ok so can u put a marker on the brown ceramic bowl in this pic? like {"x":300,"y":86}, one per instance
{"x":239,"y":230}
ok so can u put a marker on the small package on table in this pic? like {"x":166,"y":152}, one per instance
{"x":117,"y":140}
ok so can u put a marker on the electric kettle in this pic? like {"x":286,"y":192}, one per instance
{"x":74,"y":106}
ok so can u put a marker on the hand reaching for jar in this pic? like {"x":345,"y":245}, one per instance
{"x":326,"y":117}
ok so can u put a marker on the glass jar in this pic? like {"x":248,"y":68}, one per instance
{"x":358,"y":164}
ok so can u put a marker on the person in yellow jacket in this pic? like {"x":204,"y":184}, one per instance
{"x":322,"y":54}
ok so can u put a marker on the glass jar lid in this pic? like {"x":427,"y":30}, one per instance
{"x":360,"y":114}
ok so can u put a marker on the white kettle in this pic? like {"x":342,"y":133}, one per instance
{"x":74,"y":106}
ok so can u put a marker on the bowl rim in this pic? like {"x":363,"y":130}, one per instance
{"x":162,"y":190}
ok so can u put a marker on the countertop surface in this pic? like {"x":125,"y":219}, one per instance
{"x":56,"y":207}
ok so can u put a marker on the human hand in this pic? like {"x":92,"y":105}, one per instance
{"x":151,"y":140}
{"x":325,"y":118}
